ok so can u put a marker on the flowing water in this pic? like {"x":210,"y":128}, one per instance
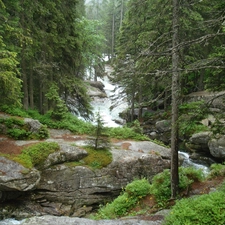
{"x":108,"y":113}
{"x":190,"y":163}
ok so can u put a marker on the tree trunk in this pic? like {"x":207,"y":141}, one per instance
{"x":31,"y":89}
{"x":25,"y":85}
{"x":113,"y":34}
{"x":121,"y":14}
{"x":175,"y":99}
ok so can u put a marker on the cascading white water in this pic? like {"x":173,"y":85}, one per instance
{"x":103,"y":105}
{"x":189,"y":163}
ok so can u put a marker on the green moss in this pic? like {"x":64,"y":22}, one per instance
{"x":97,"y":159}
{"x":35,"y":155}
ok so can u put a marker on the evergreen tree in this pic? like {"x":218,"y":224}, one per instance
{"x":10,"y":82}
{"x":100,"y":140}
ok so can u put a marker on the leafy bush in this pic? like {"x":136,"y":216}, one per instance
{"x":191,"y":115}
{"x":161,"y":185}
{"x":43,"y":132}
{"x":69,"y":122}
{"x":203,"y":210}
{"x":18,"y":134}
{"x":125,"y":133}
{"x":217,"y":170}
{"x":127,"y":200}
{"x":36,"y":154}
{"x":12,"y":110}
{"x":138,"y":188}
{"x":12,"y":121}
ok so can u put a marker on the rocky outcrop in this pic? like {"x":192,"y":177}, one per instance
{"x":52,"y":220}
{"x":216,"y":100}
{"x":199,"y":142}
{"x":64,"y":189}
{"x":34,"y":126}
{"x":15,"y":177}
{"x":96,"y":89}
{"x":217,"y":147}
{"x":205,"y":143}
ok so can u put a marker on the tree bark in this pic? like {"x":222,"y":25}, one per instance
{"x":31,"y":90}
{"x":175,"y":101}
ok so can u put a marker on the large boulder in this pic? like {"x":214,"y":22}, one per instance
{"x":64,"y":189}
{"x":33,"y":125}
{"x":67,"y":153}
{"x":96,"y":89}
{"x":15,"y":177}
{"x":217,"y":147}
{"x":163,"y":125}
{"x":52,"y":220}
{"x":199,"y":142}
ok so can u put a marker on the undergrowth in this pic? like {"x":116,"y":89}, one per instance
{"x":132,"y":193}
{"x":96,"y":159}
{"x":135,"y":191}
{"x":203,"y":210}
{"x":36,"y":154}
{"x":72,"y":123}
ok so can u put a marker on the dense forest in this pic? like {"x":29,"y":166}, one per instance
{"x":46,"y":47}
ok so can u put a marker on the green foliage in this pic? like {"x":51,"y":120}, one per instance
{"x":16,"y":129}
{"x":191,"y":115}
{"x":43,"y":132}
{"x":69,"y":122}
{"x":59,"y":109}
{"x":138,"y":188}
{"x":218,"y":126}
{"x":204,"y":210}
{"x":137,"y":127}
{"x":36,"y":154}
{"x":100,"y":140}
{"x":10,"y":82}
{"x":132,"y":193}
{"x":188,"y":127}
{"x":126,"y":133}
{"x":161,"y":185}
{"x":18,"y":134}
{"x":217,"y":170}
{"x":12,"y":121}
{"x":97,"y":159}
{"x":14,"y":111}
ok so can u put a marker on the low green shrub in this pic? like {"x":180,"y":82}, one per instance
{"x":203,"y":210}
{"x":161,"y":185}
{"x":138,"y":188}
{"x":14,"y":111}
{"x":36,"y":154}
{"x":217,"y":170}
{"x":12,"y":121}
{"x":125,"y":133}
{"x":18,"y":134}
{"x":127,"y":200}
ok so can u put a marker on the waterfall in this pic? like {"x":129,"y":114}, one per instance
{"x":109,"y":114}
{"x":189,"y":163}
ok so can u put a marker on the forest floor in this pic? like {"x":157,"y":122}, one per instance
{"x":147,"y":206}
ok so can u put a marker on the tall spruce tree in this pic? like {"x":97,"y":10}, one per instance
{"x":10,"y":82}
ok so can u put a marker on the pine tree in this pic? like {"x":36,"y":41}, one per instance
{"x":100,"y":140}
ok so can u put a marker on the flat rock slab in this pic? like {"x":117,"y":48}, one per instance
{"x":63,"y":220}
